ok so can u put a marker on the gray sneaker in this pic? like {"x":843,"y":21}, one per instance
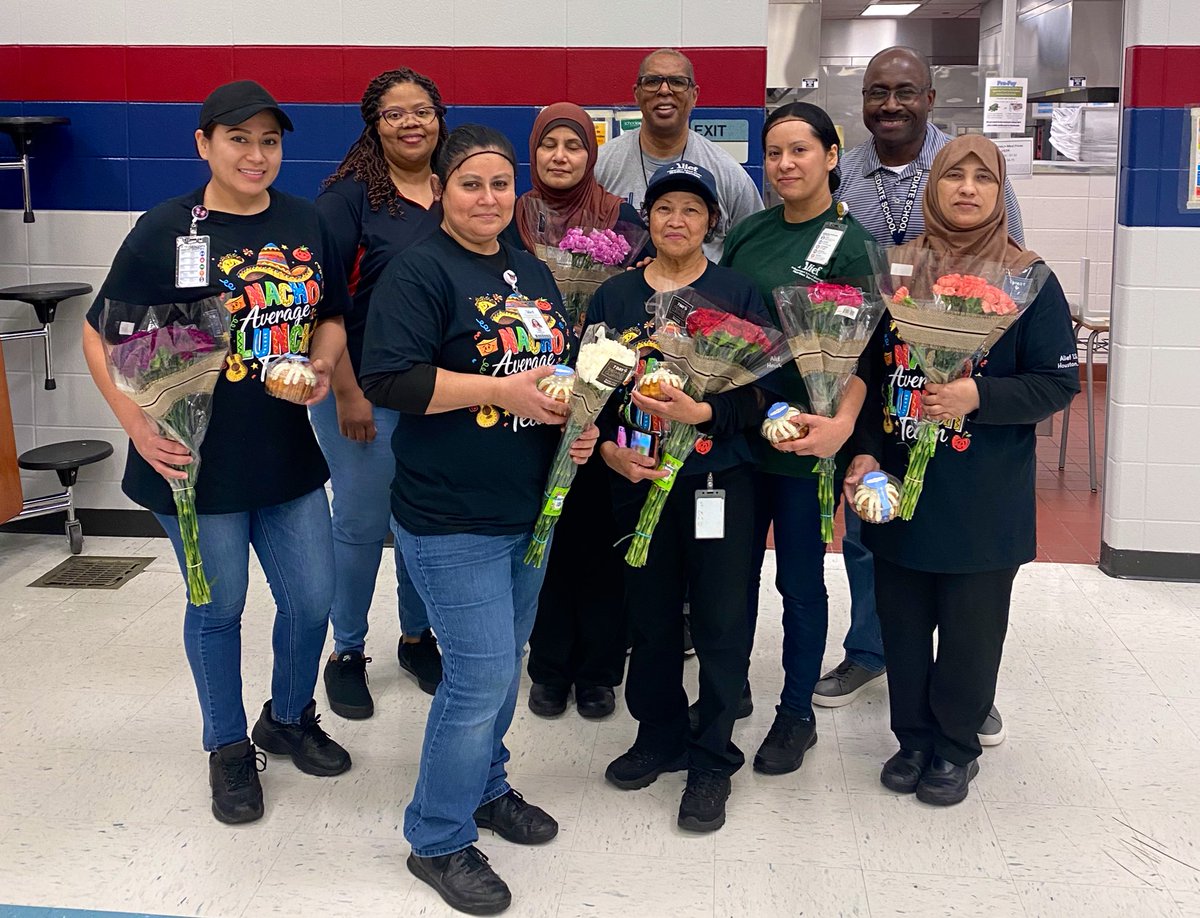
{"x":842,"y":685}
{"x":992,"y":732}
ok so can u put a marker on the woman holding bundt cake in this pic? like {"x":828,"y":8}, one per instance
{"x":262,"y":476}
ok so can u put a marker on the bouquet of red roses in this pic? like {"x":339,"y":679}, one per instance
{"x":949,"y":311}
{"x":167,"y":359}
{"x":712,"y":350}
{"x":828,"y":326}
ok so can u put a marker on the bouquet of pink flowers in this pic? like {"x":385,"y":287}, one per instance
{"x":582,"y":257}
{"x":949,"y":311}
{"x":828,"y":326}
{"x":712,"y":350}
{"x":167,"y":359}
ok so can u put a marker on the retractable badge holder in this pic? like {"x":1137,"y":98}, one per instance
{"x":710,"y":512}
{"x":191,"y":253}
{"x":830,"y":238}
{"x":531,"y":317}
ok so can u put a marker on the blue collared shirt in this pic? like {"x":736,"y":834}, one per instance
{"x":860,"y":194}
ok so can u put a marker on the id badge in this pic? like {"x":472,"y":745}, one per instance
{"x":191,"y":261}
{"x":532,"y":319}
{"x":827,"y":243}
{"x":710,"y":514}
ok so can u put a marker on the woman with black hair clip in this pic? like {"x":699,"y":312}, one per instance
{"x":461,"y":328}
{"x":775,"y":248}
{"x":377,"y":203}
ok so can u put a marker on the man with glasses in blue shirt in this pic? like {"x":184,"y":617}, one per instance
{"x":883,"y":184}
{"x":666,"y":92}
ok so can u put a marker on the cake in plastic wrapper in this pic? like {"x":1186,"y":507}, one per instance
{"x":781,"y":424}
{"x":559,"y":384}
{"x":877,"y":498}
{"x":657,"y":376}
{"x":291,"y":379}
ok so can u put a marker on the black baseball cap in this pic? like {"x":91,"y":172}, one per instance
{"x":682,"y":176}
{"x":234,"y":102}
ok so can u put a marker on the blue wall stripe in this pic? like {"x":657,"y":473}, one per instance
{"x":1154,"y":168}
{"x":130,"y":156}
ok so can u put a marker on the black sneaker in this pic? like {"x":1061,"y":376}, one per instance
{"x":944,"y":783}
{"x":702,"y":808}
{"x":745,"y":709}
{"x":547,"y":700}
{"x":311,"y":749}
{"x":903,"y":771}
{"x":640,"y":768}
{"x":594,"y":701}
{"x":788,"y":739}
{"x":346,"y":686}
{"x":842,"y":684}
{"x":465,"y":880}
{"x":514,"y":820}
{"x":422,"y":660}
{"x":233,"y":775}
{"x":992,"y":732}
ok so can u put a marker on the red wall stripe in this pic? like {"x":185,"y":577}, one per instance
{"x":331,"y":74}
{"x":1162,"y":76}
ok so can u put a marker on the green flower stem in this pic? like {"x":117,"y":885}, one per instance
{"x":679,"y":443}
{"x":918,"y":461}
{"x":825,"y":470}
{"x":562,"y":474}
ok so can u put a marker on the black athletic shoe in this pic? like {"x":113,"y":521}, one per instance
{"x":903,"y":771}
{"x":788,"y":739}
{"x":640,"y":768}
{"x":310,"y":748}
{"x":547,"y":700}
{"x":745,"y":709}
{"x":944,"y":783}
{"x":233,"y":775}
{"x":594,"y":701}
{"x":702,"y":808}
{"x":465,"y":880}
{"x":514,"y":820}
{"x":346,"y":685}
{"x":422,"y":660}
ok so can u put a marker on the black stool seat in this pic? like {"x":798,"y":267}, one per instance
{"x":66,"y":456}
{"x":21,"y":127}
{"x":44,"y":298}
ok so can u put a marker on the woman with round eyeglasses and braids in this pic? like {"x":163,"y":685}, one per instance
{"x":377,"y":203}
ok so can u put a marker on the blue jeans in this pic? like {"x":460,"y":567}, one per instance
{"x":362,"y":475}
{"x":289,"y":539}
{"x":792,"y":505}
{"x":482,"y":599}
{"x":864,"y":643}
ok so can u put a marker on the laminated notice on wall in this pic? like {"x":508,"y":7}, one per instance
{"x":1193,"y":176}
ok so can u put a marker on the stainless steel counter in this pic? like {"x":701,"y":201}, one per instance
{"x":1045,"y":167}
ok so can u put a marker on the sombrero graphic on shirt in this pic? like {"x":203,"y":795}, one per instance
{"x":273,"y":263}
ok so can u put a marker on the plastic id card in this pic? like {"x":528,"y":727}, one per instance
{"x":191,"y":261}
{"x":535,"y":324}
{"x":710,"y":514}
{"x":827,"y":243}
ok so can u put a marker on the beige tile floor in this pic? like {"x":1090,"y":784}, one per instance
{"x":1091,"y":807}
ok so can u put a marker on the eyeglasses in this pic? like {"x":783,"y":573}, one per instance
{"x":905,"y":95}
{"x":397,"y":116}
{"x":651,"y":82}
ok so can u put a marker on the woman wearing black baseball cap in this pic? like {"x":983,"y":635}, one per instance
{"x":682,"y":210}
{"x":262,"y":481}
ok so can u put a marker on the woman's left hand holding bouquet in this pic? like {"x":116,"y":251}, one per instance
{"x":675,"y":405}
{"x":947,"y":401}
{"x":824,"y":438}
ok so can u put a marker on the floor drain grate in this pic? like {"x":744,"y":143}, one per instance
{"x":92,"y":572}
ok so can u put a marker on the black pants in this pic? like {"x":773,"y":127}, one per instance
{"x":579,"y":635}
{"x":938,"y":705}
{"x":714,"y":574}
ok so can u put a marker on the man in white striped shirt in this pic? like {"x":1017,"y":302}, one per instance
{"x":883,"y":184}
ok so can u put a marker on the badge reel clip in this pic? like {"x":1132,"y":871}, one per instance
{"x":531,"y":317}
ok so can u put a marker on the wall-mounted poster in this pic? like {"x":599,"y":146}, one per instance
{"x":1004,"y":104}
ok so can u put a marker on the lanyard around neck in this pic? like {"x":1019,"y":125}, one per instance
{"x":898,"y":231}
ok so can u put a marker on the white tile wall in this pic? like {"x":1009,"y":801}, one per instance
{"x":1130,"y":384}
{"x":1184,"y":27}
{"x":1173,"y":537}
{"x":440,"y":23}
{"x":1148,"y":22}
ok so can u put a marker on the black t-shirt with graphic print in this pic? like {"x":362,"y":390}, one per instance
{"x":259,"y":450}
{"x":977,"y":508}
{"x":474,"y":470}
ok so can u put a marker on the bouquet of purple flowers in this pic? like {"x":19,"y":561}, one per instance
{"x":167,"y":360}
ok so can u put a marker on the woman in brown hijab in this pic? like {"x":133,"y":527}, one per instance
{"x":578,"y":640}
{"x":951,"y":568}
